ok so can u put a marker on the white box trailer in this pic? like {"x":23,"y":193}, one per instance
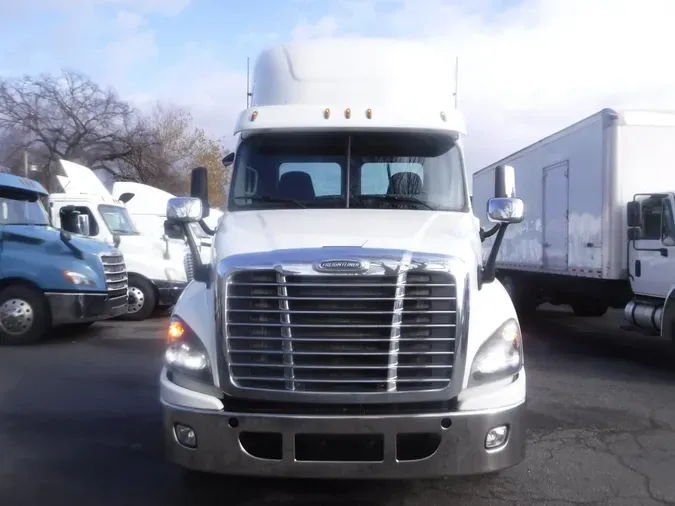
{"x":598,"y":218}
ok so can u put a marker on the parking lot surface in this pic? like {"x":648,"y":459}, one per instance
{"x":80,"y":424}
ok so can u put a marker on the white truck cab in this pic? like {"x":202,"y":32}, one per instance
{"x":345,"y":325}
{"x":155,"y":266}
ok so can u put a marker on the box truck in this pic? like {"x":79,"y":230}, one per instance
{"x":599,"y":228}
{"x":345,"y":326}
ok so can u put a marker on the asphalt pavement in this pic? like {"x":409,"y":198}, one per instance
{"x":80,"y":424}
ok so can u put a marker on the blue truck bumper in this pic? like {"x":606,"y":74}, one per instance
{"x":69,"y":308}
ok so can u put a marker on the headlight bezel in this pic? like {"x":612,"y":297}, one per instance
{"x":182,"y":344}
{"x":504,"y":348}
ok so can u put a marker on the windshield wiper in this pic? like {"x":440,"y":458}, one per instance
{"x":270,"y":198}
{"x":394,"y":198}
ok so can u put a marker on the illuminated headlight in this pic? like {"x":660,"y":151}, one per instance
{"x":185,"y":353}
{"x":175,"y":274}
{"x":78,"y":279}
{"x":500,"y":357}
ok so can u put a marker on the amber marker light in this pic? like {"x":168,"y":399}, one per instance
{"x":175,"y":332}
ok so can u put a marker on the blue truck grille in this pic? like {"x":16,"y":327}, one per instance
{"x":115,"y":275}
{"x":339,"y":333}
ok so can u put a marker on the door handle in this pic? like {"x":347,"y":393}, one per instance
{"x":546,"y":245}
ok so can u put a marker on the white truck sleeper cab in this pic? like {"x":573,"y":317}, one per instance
{"x":354,"y":332}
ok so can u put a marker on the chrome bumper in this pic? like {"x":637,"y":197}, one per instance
{"x":223,"y":439}
{"x":68,"y":308}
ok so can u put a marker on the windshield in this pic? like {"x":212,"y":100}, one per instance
{"x":382,"y":170}
{"x":117,"y":220}
{"x":21,"y":208}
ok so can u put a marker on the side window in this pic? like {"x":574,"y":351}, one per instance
{"x":375,"y":177}
{"x":323,"y":179}
{"x":93,"y":225}
{"x":650,"y":208}
{"x":667,"y":224}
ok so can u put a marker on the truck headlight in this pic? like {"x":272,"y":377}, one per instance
{"x":78,"y":279}
{"x":500,"y":357}
{"x":185,"y":352}
{"x":174,"y":274}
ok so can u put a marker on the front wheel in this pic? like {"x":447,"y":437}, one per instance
{"x":142,"y":300}
{"x":24,"y":315}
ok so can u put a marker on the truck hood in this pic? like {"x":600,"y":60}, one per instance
{"x":424,"y":231}
{"x":50,"y":237}
{"x":144,"y":245}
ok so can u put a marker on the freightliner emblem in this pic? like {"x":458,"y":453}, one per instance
{"x":345,"y":266}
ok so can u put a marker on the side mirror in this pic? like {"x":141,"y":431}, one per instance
{"x":633,"y":234}
{"x":505,"y":181}
{"x":173,"y":230}
{"x":83,"y":224}
{"x":199,"y":188}
{"x":184,"y":210}
{"x":633,"y":215}
{"x":228,"y":159}
{"x":505,"y":210}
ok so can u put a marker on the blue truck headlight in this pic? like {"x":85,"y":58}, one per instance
{"x":500,"y":357}
{"x":185,"y":353}
{"x":78,"y":279}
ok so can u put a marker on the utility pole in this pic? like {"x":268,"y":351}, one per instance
{"x":25,"y":163}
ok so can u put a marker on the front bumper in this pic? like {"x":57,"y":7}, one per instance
{"x":69,"y":308}
{"x":169,"y":291}
{"x":287,"y":445}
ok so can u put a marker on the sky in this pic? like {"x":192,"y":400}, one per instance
{"x":526,"y":67}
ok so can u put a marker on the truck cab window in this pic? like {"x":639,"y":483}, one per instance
{"x":651,"y":208}
{"x":314,"y":179}
{"x":93,"y":226}
{"x":117,"y":220}
{"x":377,"y":177}
{"x":667,"y":224}
{"x":21,"y":208}
{"x":384,"y":170}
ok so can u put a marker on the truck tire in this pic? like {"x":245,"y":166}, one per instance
{"x":589,"y":308}
{"x":24,"y":316}
{"x":142,"y":299}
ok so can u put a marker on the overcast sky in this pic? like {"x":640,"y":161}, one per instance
{"x":527,"y":67}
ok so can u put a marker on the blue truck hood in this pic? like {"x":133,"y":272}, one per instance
{"x":50,"y":237}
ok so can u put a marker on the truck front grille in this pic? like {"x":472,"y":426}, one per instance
{"x":341,"y":333}
{"x":115,"y":275}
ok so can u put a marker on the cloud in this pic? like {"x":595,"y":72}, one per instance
{"x":531,"y":67}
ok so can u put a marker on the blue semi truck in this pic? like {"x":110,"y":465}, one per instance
{"x":51,"y":277}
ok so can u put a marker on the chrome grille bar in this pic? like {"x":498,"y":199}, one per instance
{"x":116,"y":278}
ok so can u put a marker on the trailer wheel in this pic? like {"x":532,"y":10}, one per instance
{"x":24,"y":315}
{"x":589,"y":308}
{"x":142,"y":299}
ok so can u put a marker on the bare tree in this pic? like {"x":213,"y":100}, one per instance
{"x":70,"y":117}
{"x":180,"y":147}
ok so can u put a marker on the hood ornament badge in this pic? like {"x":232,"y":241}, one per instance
{"x":342,"y":266}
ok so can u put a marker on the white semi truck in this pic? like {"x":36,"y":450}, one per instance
{"x":345,"y":325}
{"x":599,"y":229}
{"x":155,"y":267}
